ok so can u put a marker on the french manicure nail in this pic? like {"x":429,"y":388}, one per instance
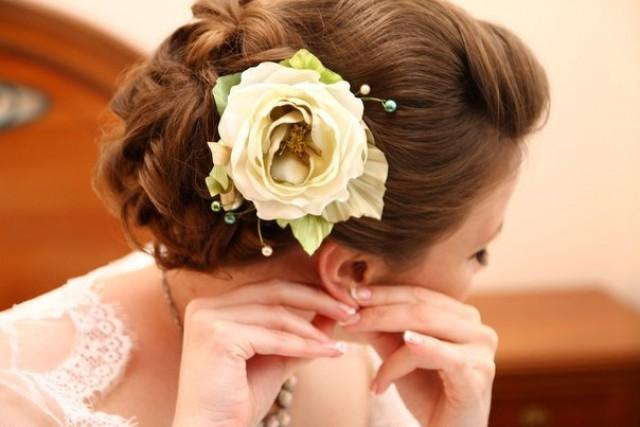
{"x":350,"y":321}
{"x":412,"y":337}
{"x":361,"y":293}
{"x":347,"y":309}
{"x":341,"y":346}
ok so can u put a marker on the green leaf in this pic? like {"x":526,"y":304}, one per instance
{"x":310,"y":231}
{"x":222,"y":88}
{"x":218,"y":180}
{"x":305,"y":60}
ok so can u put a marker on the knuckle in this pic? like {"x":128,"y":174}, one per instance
{"x":217,"y":329}
{"x":473,"y":313}
{"x":459,"y":361}
{"x":490,"y":368}
{"x":204,"y":328}
{"x":204,"y":321}
{"x":278,"y":289}
{"x":490,"y":336}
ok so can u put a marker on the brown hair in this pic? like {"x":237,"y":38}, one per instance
{"x":468,"y":92}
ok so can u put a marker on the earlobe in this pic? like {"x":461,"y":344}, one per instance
{"x":340,"y":269}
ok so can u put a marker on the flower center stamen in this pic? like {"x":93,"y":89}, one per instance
{"x":296,"y":137}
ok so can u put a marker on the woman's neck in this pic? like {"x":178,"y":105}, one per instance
{"x":186,"y":285}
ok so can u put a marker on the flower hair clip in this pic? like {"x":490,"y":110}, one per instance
{"x":294,"y":143}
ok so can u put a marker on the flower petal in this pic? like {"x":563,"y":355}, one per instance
{"x":366,"y":192}
{"x":288,"y":168}
{"x":220,"y":152}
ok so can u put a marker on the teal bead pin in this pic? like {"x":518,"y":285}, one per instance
{"x":230,"y":218}
{"x":390,"y":105}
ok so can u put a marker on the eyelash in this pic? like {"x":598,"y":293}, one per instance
{"x":482,"y":257}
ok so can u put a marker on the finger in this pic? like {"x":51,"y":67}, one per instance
{"x":242,"y":341}
{"x":424,"y":318}
{"x":405,"y":294}
{"x":272,"y":317}
{"x":281,"y":292}
{"x":425,"y":352}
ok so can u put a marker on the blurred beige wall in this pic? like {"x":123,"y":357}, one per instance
{"x":574,"y":217}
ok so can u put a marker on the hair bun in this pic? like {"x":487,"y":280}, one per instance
{"x":218,"y":22}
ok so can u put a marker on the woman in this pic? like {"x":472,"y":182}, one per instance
{"x":321,"y":179}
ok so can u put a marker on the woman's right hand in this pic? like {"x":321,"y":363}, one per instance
{"x":241,"y":346}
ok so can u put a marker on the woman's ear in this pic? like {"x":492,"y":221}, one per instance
{"x":341,"y":268}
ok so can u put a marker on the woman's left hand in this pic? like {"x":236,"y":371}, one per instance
{"x":445,"y":381}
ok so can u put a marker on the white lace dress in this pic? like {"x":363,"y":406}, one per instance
{"x":64,"y":392}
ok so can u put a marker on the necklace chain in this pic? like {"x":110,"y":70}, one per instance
{"x":172,"y":304}
{"x":280,"y":418}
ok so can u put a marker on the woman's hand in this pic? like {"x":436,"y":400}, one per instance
{"x":241,"y":346}
{"x":446,"y":380}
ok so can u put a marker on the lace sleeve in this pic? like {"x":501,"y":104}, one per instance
{"x":387,"y":409}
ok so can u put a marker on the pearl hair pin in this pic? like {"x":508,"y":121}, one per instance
{"x":389,"y":105}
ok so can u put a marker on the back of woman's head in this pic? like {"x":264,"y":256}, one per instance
{"x":468,"y":93}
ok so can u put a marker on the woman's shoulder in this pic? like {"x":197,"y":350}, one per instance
{"x":64,"y":348}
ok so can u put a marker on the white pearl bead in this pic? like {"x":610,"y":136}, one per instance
{"x":267,"y":250}
{"x":291,"y":382}
{"x":272,"y":421}
{"x":285,"y":398}
{"x":285,"y":419}
{"x":365,"y":89}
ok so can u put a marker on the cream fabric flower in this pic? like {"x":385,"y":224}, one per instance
{"x":293,"y":142}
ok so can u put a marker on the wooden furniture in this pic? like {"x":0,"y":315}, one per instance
{"x":565,"y":358}
{"x":52,"y":225}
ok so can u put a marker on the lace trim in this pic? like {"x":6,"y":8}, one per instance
{"x":99,"y":355}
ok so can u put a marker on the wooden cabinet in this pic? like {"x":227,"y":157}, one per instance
{"x":565,"y":358}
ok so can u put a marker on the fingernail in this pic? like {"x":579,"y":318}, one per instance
{"x":341,"y":346}
{"x":350,"y":321}
{"x":347,"y":309}
{"x":413,"y":337}
{"x":361,"y":293}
